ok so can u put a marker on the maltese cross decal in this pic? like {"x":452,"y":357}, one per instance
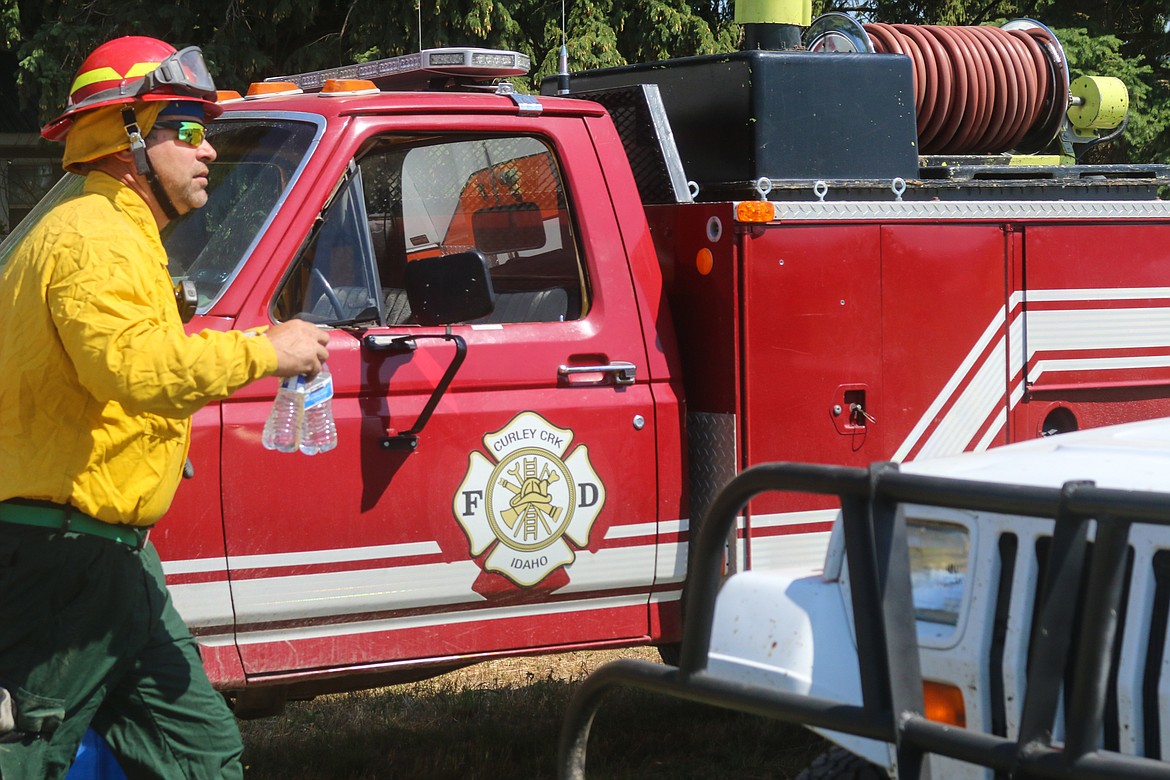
{"x":526,"y":501}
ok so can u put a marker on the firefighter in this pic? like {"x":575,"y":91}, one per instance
{"x":98,"y":380}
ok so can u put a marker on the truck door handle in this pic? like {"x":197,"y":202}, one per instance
{"x":623,"y":373}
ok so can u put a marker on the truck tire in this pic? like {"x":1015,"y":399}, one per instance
{"x":670,"y":653}
{"x":839,"y":764}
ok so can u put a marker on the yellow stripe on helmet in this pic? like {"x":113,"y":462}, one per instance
{"x":109,"y":74}
{"x":141,"y":69}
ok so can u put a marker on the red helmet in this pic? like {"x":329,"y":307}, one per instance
{"x":136,"y":68}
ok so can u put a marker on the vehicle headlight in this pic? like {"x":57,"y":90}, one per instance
{"x":938,"y":569}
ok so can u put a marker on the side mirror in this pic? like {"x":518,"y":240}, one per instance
{"x":450,"y":288}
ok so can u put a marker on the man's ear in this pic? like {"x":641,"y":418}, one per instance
{"x":118,"y":164}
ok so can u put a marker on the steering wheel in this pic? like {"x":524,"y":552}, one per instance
{"x":334,"y":301}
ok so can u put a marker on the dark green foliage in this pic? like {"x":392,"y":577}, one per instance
{"x":245,"y":40}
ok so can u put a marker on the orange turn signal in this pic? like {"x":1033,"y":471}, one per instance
{"x":944,"y":703}
{"x":755,"y":211}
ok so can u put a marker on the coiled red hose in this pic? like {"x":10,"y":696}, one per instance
{"x":980,"y":90}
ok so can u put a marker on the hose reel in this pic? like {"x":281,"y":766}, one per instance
{"x":986,"y":90}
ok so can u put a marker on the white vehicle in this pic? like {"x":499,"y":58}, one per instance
{"x":1001,"y":613}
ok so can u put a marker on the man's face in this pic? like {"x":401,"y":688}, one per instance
{"x":181,"y":166}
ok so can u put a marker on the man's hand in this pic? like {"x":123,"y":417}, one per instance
{"x":300,"y":347}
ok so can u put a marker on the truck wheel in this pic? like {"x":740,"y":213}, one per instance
{"x":839,"y":764}
{"x":670,"y":653}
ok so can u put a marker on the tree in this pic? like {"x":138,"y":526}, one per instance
{"x":246,"y":40}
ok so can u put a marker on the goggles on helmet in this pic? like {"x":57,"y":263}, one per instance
{"x":183,"y":71}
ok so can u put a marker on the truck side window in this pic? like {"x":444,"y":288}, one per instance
{"x":500,"y":195}
{"x":333,"y":280}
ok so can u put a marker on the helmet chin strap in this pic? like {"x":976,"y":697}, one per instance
{"x":142,"y":163}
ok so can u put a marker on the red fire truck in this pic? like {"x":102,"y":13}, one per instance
{"x":558,"y":323}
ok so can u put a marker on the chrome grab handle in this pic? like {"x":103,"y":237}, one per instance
{"x":623,"y":373}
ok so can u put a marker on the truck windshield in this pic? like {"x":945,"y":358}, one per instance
{"x":258,"y":160}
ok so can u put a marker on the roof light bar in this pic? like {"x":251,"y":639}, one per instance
{"x":414,"y":71}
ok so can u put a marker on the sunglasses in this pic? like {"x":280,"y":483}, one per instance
{"x":189,"y":132}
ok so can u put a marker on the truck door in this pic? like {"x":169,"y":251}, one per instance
{"x":947,"y":337}
{"x":521,"y":514}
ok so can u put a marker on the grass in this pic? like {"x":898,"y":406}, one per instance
{"x":502,"y":720}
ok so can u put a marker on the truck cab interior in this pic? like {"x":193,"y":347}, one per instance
{"x":407,"y":199}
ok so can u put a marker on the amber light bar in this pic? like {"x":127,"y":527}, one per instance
{"x":413,"y":70}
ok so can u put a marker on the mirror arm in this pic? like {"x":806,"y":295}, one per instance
{"x":407,"y":441}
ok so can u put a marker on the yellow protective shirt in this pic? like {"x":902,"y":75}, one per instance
{"x":98,"y":378}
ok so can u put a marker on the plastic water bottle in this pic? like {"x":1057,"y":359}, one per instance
{"x":282,"y":430}
{"x":318,"y":431}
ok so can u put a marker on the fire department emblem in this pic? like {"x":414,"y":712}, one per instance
{"x":526,"y":501}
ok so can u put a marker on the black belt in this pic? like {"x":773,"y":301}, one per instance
{"x":60,"y":517}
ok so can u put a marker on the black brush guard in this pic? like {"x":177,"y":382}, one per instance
{"x":883,"y":613}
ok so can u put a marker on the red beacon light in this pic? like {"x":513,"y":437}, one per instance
{"x":461,"y":65}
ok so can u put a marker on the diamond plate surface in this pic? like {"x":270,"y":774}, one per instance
{"x":973,"y":210}
{"x":645,"y":131}
{"x":711,"y":446}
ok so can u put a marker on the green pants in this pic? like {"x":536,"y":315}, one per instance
{"x":89,"y":636}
